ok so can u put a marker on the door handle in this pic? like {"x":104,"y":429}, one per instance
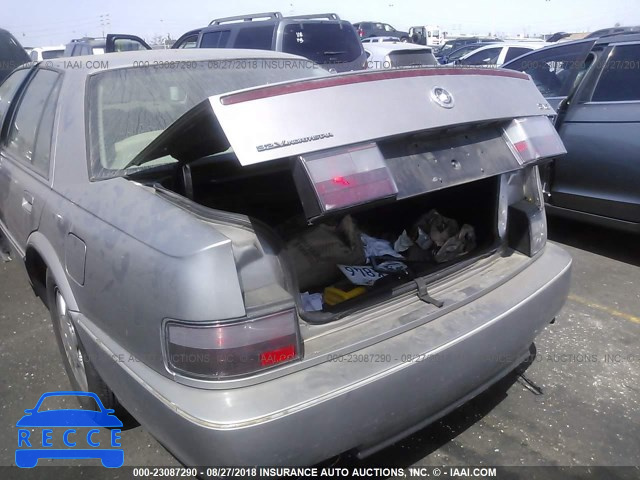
{"x":27,"y":201}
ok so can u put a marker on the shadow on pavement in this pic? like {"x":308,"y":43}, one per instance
{"x":621,"y":246}
{"x":416,"y":447}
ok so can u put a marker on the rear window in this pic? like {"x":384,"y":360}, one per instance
{"x":412,"y":58}
{"x":48,"y":55}
{"x":515,"y":52}
{"x":324,"y":43}
{"x":129,"y":107}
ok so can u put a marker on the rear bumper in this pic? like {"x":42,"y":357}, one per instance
{"x":363,"y":401}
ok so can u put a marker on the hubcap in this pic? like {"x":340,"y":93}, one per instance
{"x":70,"y":342}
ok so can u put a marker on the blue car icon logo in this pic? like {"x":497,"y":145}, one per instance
{"x":81,"y":432}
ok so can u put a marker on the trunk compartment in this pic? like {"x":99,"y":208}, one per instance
{"x":311,"y":252}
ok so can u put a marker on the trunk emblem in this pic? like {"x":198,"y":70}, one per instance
{"x":442,"y":97}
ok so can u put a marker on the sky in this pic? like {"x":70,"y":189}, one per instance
{"x":43,"y":22}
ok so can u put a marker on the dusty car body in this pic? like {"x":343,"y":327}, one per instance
{"x":594,"y":85}
{"x":148,"y":217}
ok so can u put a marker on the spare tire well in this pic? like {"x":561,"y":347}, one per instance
{"x":37,"y":272}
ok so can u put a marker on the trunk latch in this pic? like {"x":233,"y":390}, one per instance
{"x":423,"y":294}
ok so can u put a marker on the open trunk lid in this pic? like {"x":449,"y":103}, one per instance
{"x":289,"y":119}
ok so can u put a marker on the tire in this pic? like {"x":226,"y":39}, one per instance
{"x":404,"y":39}
{"x":81,"y":372}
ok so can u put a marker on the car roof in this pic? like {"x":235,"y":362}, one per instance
{"x":134,"y":58}
{"x":392,"y":46}
{"x":618,"y":38}
{"x":49,"y":48}
{"x":387,"y":38}
{"x":320,"y":18}
{"x":94,"y":42}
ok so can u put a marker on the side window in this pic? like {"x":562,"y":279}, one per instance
{"x":553,"y":70}
{"x":190,"y":42}
{"x":29,"y":138}
{"x":217,"y":39}
{"x":488,"y":56}
{"x":258,"y":38}
{"x":127,"y":45}
{"x":620,"y":78}
{"x":8,"y":89}
{"x":515,"y":52}
{"x":389,"y":28}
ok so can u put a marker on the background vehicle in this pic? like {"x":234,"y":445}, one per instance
{"x":496,"y":54}
{"x":398,"y":54}
{"x":379,"y":29}
{"x":12,"y":54}
{"x":461,"y":52}
{"x":452,"y":44}
{"x":154,"y":228}
{"x":613,"y":31}
{"x":112,"y":43}
{"x":594,"y":85}
{"x":323,"y":38}
{"x":380,"y":39}
{"x":426,"y":35}
{"x":39,"y":54}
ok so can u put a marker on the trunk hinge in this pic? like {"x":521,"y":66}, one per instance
{"x":423,"y":294}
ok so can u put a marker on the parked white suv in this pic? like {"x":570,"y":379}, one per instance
{"x":497,"y":54}
{"x":39,"y":54}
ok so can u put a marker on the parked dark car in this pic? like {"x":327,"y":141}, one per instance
{"x":594,"y":85}
{"x":452,"y":45}
{"x":379,"y":29}
{"x":605,"y":32}
{"x":12,"y":55}
{"x":114,"y":42}
{"x":323,"y":38}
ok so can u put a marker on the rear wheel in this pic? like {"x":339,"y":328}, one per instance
{"x":80,"y":370}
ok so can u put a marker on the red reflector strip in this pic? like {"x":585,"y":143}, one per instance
{"x":279,"y":355}
{"x":340,"y":181}
{"x":521,"y":146}
{"x":350,"y":79}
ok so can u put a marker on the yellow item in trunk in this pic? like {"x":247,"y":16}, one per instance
{"x":333,"y":295}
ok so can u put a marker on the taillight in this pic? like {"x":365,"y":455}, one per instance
{"x":533,"y":138}
{"x":342,"y":178}
{"x":521,"y":215}
{"x":360,"y":32}
{"x":233,"y":349}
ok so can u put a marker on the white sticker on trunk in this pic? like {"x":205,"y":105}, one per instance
{"x":360,"y":275}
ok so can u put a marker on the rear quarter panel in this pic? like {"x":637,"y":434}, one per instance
{"x":146,"y":259}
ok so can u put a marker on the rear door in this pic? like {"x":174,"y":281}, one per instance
{"x":117,"y":42}
{"x":25,"y":156}
{"x":601,"y":132}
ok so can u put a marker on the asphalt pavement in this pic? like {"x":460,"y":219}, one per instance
{"x":577,"y":405}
